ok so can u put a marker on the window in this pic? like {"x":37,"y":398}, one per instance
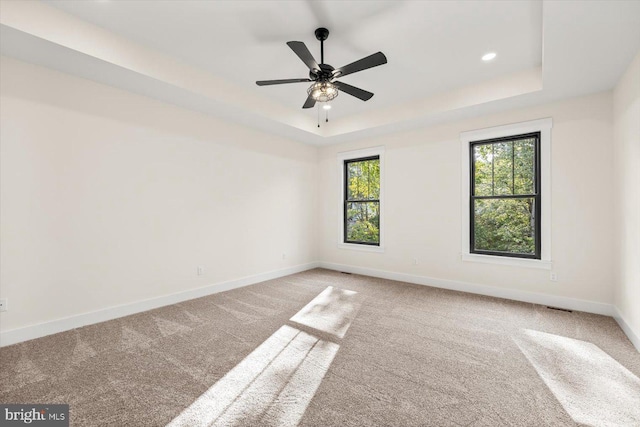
{"x":362,"y":201}
{"x":506,"y":194}
{"x":505,"y":197}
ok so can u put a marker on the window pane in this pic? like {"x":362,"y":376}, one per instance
{"x":524,"y":166}
{"x":483,"y":159}
{"x":502,"y":169}
{"x":505,"y":225}
{"x":363,"y":180}
{"x":363,"y":222}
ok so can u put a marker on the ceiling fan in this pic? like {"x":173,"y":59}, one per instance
{"x":325,"y":86}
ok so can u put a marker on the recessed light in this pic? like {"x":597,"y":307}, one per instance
{"x":488,"y":56}
{"x":327,"y":107}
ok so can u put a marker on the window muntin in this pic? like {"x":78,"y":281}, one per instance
{"x":505,"y":208}
{"x":362,"y":201}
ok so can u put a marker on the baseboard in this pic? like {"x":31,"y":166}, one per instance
{"x":26,"y":333}
{"x":60,"y":325}
{"x":512,"y":294}
{"x":474,"y":288}
{"x":631,"y":334}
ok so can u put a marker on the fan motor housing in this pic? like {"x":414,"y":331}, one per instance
{"x":325,"y":72}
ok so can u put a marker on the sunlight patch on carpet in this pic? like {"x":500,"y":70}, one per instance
{"x":593,"y":388}
{"x":274,"y":384}
{"x":332,"y":311}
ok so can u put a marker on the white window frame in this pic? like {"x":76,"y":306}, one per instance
{"x":356,"y":154}
{"x":544,"y":127}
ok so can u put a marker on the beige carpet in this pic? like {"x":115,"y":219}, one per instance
{"x":321,"y":348}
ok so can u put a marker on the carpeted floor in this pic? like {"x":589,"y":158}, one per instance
{"x":321,"y":348}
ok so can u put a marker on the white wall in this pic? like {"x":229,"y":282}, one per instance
{"x":109,"y":198}
{"x":423,"y":205}
{"x":626,"y":186}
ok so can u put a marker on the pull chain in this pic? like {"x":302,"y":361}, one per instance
{"x":326,"y":107}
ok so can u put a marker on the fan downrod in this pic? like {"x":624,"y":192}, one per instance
{"x":322,"y":34}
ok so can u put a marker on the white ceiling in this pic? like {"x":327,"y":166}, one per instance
{"x":207,"y":55}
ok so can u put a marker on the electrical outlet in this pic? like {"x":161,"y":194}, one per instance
{"x":284,"y":256}
{"x":200,"y":271}
{"x":415,"y":261}
{"x":553,"y":277}
{"x":4,"y":304}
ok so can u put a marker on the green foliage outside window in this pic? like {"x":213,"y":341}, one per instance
{"x":504,"y":206}
{"x":362,"y":201}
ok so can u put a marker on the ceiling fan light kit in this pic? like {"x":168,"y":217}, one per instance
{"x":325,"y":87}
{"x":323,"y":91}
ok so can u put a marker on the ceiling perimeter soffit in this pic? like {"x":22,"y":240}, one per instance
{"x":433,"y":68}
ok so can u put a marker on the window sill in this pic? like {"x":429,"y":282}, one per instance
{"x":361,"y":248}
{"x":515,"y":262}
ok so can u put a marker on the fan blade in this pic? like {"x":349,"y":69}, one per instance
{"x":362,"y":64}
{"x":300,"y":49}
{"x":310,"y":103}
{"x":354,"y":91}
{"x":280,"y":82}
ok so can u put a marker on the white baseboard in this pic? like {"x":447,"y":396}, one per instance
{"x":60,"y":325}
{"x":474,"y":288}
{"x":512,"y":294}
{"x":631,"y":334}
